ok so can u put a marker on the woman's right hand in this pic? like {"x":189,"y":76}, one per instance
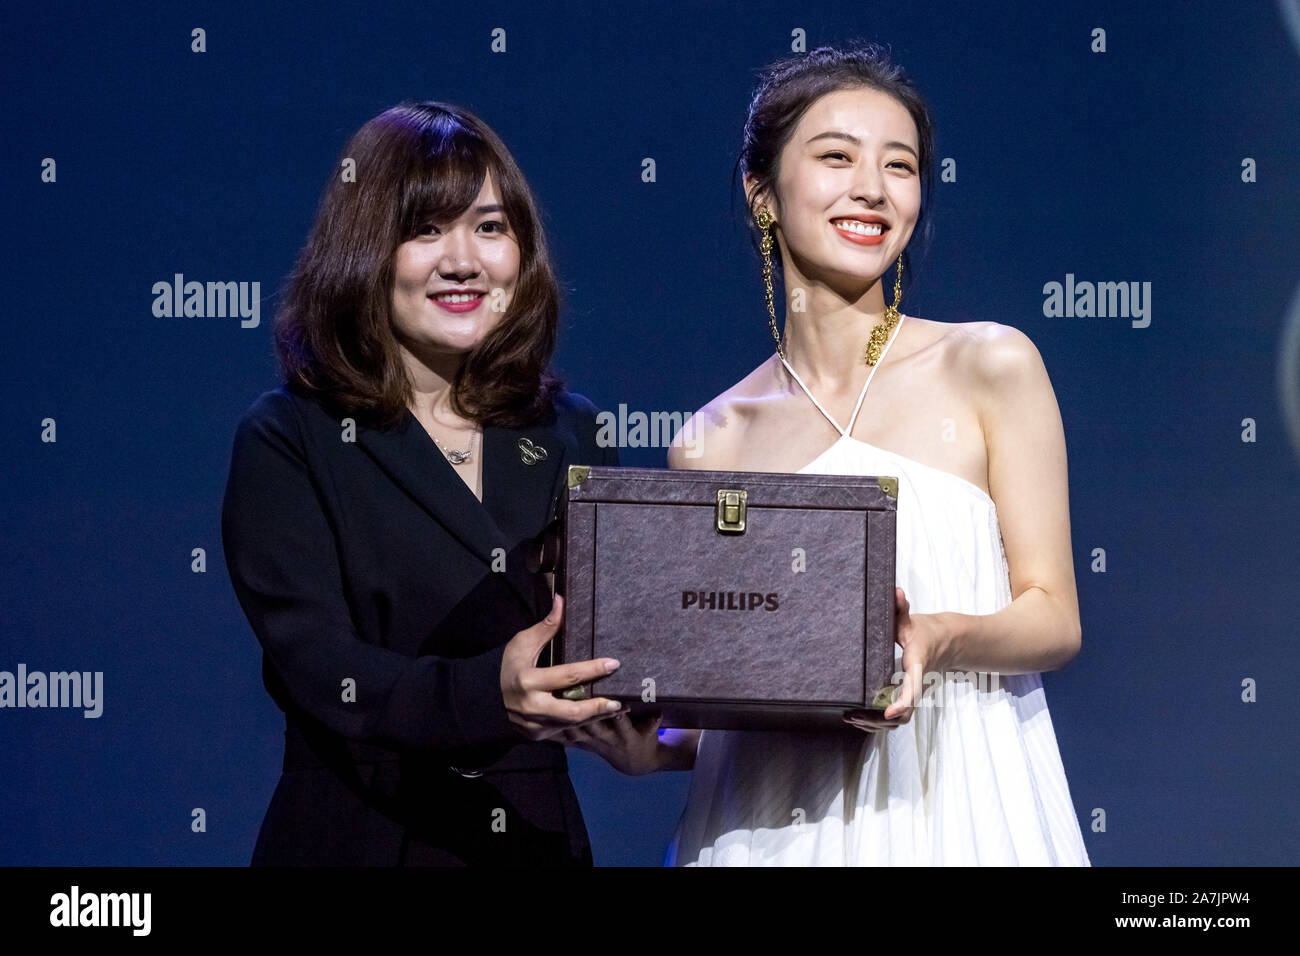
{"x":527,"y":689}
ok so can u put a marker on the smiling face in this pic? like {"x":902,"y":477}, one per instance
{"x":453,"y":281}
{"x":847,"y":191}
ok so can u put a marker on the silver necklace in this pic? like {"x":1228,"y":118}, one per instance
{"x":455,"y":455}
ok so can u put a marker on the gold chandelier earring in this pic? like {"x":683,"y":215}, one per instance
{"x":764,"y":222}
{"x":880,"y":334}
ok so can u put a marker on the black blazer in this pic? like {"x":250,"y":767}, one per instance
{"x":365,"y":566}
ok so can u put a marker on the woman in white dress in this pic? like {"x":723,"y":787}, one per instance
{"x":965,"y":767}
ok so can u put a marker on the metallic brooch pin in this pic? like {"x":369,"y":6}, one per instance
{"x":529,"y":453}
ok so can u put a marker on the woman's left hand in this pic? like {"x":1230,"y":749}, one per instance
{"x":923,"y":639}
{"x":629,"y":746}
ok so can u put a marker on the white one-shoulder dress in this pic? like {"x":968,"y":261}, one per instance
{"x":973,"y":778}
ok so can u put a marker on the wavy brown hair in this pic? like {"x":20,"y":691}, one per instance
{"x":334,"y":331}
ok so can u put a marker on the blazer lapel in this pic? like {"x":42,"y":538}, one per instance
{"x":520,"y":490}
{"x":410,"y":458}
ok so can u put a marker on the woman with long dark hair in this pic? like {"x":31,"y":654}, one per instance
{"x":383,"y":506}
{"x":963,"y":767}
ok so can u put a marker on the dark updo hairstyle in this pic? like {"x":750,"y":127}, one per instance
{"x":788,"y":87}
{"x":334,"y":333}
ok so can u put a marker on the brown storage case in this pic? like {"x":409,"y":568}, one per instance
{"x":691,"y":580}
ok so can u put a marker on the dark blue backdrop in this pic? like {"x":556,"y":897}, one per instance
{"x":1117,"y":166}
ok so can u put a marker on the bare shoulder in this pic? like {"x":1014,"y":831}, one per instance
{"x":710,"y":439}
{"x":1004,"y":373}
{"x":990,"y":362}
{"x":1000,"y":350}
{"x":986,"y":354}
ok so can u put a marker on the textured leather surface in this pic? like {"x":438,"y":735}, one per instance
{"x":665,"y":486}
{"x":652,"y":559}
{"x":759,"y":645}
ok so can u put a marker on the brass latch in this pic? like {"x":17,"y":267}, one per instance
{"x":731,"y":511}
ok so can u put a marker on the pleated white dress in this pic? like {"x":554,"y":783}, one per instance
{"x":974,"y":778}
